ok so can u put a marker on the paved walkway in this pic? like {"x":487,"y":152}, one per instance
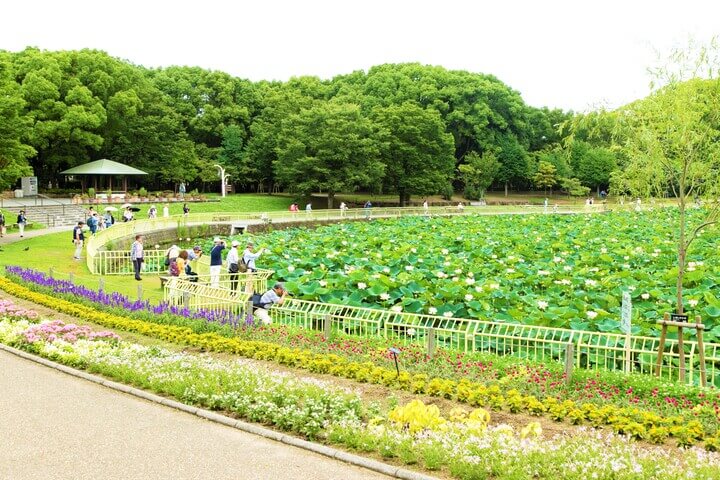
{"x":55,"y":426}
{"x":15,"y":236}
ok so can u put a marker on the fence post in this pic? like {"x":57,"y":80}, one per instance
{"x":71,"y":277}
{"x":431,"y":342}
{"x":139,"y":292}
{"x":327,"y":326}
{"x":569,"y":360}
{"x":101,"y":284}
{"x":186,"y":299}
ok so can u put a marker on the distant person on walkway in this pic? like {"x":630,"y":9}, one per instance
{"x":368,"y":208}
{"x":343,"y":209}
{"x":249,"y":256}
{"x":308,"y":208}
{"x":166,"y":211}
{"x":426,"y":207}
{"x":21,"y":222}
{"x":136,"y":254}
{"x":78,"y":239}
{"x":461,"y":207}
{"x":92,"y":223}
{"x":294,"y":207}
{"x":108,"y":219}
{"x":152,"y":212}
{"x":186,"y":209}
{"x":2,"y":224}
{"x":233,"y":261}
{"x":181,"y":189}
{"x":275,"y":296}
{"x":216,"y":261}
{"x":127,"y":215}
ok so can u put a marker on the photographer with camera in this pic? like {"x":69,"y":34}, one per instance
{"x":275,"y":296}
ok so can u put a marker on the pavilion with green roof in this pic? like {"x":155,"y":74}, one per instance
{"x":104,"y":168}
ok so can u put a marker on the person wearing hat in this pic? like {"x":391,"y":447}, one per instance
{"x":216,"y":261}
{"x":233,"y":258}
{"x":193,"y":254}
{"x":249,"y":256}
{"x":275,"y":296}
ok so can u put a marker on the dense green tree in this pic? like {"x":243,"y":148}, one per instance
{"x":416,"y":150}
{"x":478,"y":172}
{"x":328,"y":148}
{"x":546,"y":176}
{"x":13,"y":127}
{"x":514,"y":162}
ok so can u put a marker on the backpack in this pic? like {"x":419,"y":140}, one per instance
{"x":242,"y":266}
{"x":174,"y":269}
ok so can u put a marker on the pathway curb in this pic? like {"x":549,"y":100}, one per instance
{"x":324,"y":450}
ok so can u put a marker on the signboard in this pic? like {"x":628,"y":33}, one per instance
{"x":626,"y":315}
{"x":29,"y":186}
{"x":676,"y":317}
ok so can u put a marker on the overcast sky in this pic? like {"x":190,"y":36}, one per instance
{"x":567,"y":54}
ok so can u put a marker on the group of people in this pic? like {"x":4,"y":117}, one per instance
{"x":21,"y":223}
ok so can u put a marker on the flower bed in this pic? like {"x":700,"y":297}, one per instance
{"x":465,"y":444}
{"x":639,"y":423}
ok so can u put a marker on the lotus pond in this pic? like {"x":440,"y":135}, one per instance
{"x":564,"y":271}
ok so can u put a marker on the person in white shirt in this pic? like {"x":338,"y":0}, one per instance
{"x":166,"y":211}
{"x":232,"y":264}
{"x":249,"y":256}
{"x":343,"y":208}
{"x":308,"y":208}
{"x":426,"y":207}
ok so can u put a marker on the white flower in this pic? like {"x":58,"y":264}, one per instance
{"x":323,"y":283}
{"x":157,"y":246}
{"x":446,"y":264}
{"x":603,"y":250}
{"x":626,"y":266}
{"x":542,"y":305}
{"x":396,"y":308}
{"x":445,"y":251}
{"x":362,"y":285}
{"x":432,"y":310}
{"x":631,"y":288}
{"x":469,"y":281}
{"x":557,"y":259}
{"x":478,"y":289}
{"x":590,"y":282}
{"x":344,"y":242}
{"x":448,"y":314}
{"x":420,"y":260}
{"x":543,"y":272}
{"x":411,"y":331}
{"x":384,"y":296}
{"x":413,"y":250}
{"x":692,"y":302}
{"x":375,"y":276}
{"x":409,"y":268}
{"x":386,"y":269}
{"x":290,"y":268}
{"x":591,"y":315}
{"x":456,"y":279}
{"x":187,"y":239}
{"x":626,"y":257}
{"x":645,"y":296}
{"x":567,"y":268}
{"x":471,"y":274}
{"x":468,"y":297}
{"x":494,"y":286}
{"x":493,"y":256}
{"x":510,"y":270}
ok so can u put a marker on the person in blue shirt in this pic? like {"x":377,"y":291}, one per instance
{"x":92,"y":224}
{"x":216,"y":261}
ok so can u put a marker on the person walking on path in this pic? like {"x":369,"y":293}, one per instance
{"x":216,"y":261}
{"x":308,"y":208}
{"x":426,"y":208}
{"x":136,"y":254}
{"x":166,"y":211}
{"x":343,"y":208}
{"x":233,"y":264}
{"x":181,"y":190}
{"x":152,"y":212}
{"x":186,"y":209}
{"x":78,"y":239}
{"x":21,"y":222}
{"x":2,"y":224}
{"x":368,"y":208}
{"x":249,"y":256}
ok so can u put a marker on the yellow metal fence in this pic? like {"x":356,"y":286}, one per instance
{"x":195,"y":296}
{"x":591,"y":350}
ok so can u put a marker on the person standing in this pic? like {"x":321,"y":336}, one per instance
{"x":108,"y":219}
{"x":216,"y":261}
{"x":92,"y":223}
{"x":2,"y":224}
{"x":249,"y":256}
{"x":136,"y":254}
{"x":21,"y":222}
{"x":78,"y":239}
{"x":186,"y":209}
{"x":426,"y":207}
{"x":368,"y":208}
{"x":308,"y":208}
{"x":181,"y":190}
{"x":152,"y":212}
{"x":343,"y":208}
{"x":233,"y":267}
{"x":166,"y":211}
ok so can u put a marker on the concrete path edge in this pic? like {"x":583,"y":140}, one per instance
{"x":324,"y":450}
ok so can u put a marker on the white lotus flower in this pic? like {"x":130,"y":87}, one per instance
{"x":510,"y":270}
{"x":591,"y":315}
{"x":445,"y":251}
{"x":448,"y":314}
{"x":323,"y":283}
{"x":557,"y":259}
{"x":362,"y":285}
{"x":290,"y":268}
{"x":157,"y":246}
{"x":542,"y":305}
{"x":411,"y":331}
{"x":468,"y":297}
{"x":386,"y":269}
{"x":396,"y":308}
{"x":603,"y":250}
{"x":543,"y":272}
{"x":469,"y":281}
{"x":478,"y":289}
{"x":432,"y":310}
{"x":692,"y":302}
{"x":494,"y":286}
{"x":645,"y":296}
{"x":409,"y":268}
{"x":413,"y":250}
{"x":384,"y":296}
{"x":590,"y":282}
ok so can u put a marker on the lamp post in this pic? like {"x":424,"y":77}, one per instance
{"x":223,"y":178}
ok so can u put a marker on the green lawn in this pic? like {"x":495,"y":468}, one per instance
{"x":231,"y":203}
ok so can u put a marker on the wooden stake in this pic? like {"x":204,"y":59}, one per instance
{"x":569,"y":360}
{"x":327,"y":326}
{"x":701,"y":350}
{"x":431,"y":342}
{"x":681,"y":352}
{"x":661,"y":346}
